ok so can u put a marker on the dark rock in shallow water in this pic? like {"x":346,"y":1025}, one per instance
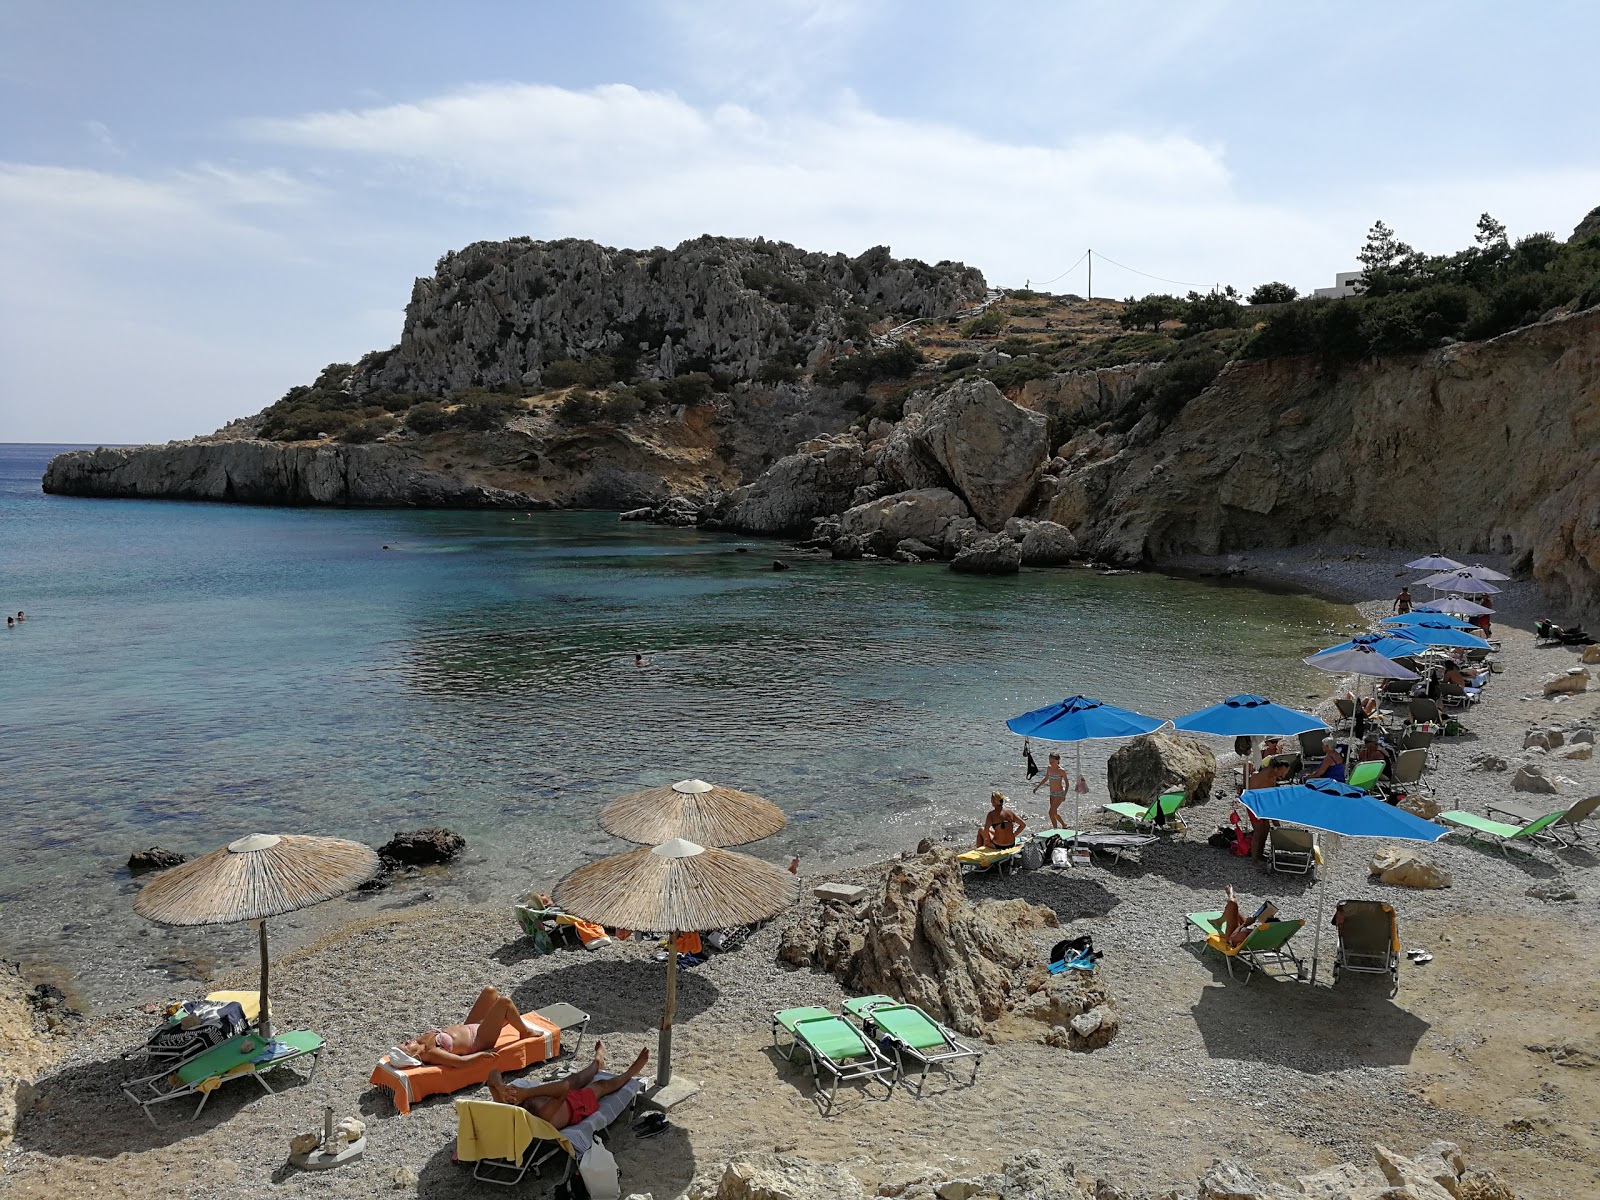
{"x":420,"y":847}
{"x":779,"y":565}
{"x":154,"y":859}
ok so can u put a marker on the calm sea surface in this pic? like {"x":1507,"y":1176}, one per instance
{"x":189,"y":673}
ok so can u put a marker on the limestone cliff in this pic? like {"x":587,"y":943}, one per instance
{"x":1490,"y":447}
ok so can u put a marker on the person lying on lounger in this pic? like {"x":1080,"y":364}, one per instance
{"x":1000,"y":825}
{"x":1235,"y":927}
{"x":456,"y":1045}
{"x":566,"y":1101}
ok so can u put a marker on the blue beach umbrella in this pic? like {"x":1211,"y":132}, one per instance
{"x":1405,"y":620}
{"x":1391,"y":643}
{"x":1445,"y":633}
{"x":1080,"y":719}
{"x":1341,"y":810}
{"x":1249,"y":716}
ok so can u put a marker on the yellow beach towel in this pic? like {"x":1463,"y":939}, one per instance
{"x":249,"y":1001}
{"x":486,"y":1129}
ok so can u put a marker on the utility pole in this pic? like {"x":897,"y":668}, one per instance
{"x":1091,"y":274}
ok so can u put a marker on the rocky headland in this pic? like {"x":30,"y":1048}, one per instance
{"x":876,"y":407}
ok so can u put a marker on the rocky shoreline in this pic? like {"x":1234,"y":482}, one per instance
{"x":1487,"y":1045}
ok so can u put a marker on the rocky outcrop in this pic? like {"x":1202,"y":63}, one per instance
{"x":501,"y":312}
{"x":819,"y":480}
{"x":1281,"y":451}
{"x":421,"y":847}
{"x":154,"y":859}
{"x":991,"y":450}
{"x":922,"y":515}
{"x":996,"y":555}
{"x":1047,"y":544}
{"x":920,"y":939}
{"x":1161,"y":762}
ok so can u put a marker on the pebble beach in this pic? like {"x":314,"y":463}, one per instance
{"x":1494,"y":1043}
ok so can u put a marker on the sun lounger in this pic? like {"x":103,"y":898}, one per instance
{"x":247,"y":1055}
{"x":1292,"y":851}
{"x":912,"y":1034}
{"x":195,"y":1026}
{"x":1203,"y":923}
{"x":1499,"y":832}
{"x":1369,"y":941}
{"x":503,"y":1142}
{"x":1266,"y":947}
{"x":835,"y":1048}
{"x":1571,"y":822}
{"x":1161,"y":813}
{"x":513,"y":1051}
{"x":1365,"y":775}
{"x":982,"y":858}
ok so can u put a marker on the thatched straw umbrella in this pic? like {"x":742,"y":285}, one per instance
{"x":679,"y":887}
{"x":254,"y":878}
{"x":695,"y":810}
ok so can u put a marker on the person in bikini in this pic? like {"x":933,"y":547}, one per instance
{"x":1000,"y":825}
{"x":457,"y":1045}
{"x":1236,"y":927}
{"x":1057,"y":779}
{"x":570,"y":1100}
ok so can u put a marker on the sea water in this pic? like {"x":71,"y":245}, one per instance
{"x":189,"y":673}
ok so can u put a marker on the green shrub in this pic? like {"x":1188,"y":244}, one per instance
{"x":579,"y":407}
{"x":990,"y":320}
{"x":1274,"y":293}
{"x":1213,"y":310}
{"x":1589,"y":297}
{"x":1150,"y":311}
{"x":778,"y":372}
{"x":960,"y":362}
{"x":1178,"y":381}
{"x":1019,"y":370}
{"x":481,"y":412}
{"x":688,"y":389}
{"x":570,"y":372}
{"x":620,"y":407}
{"x":892,"y":362}
{"x":428,"y":417}
{"x":368,"y":430}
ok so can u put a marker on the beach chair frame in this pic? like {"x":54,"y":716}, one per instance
{"x":1370,"y":960}
{"x":150,"y":1090}
{"x":169,"y":1046}
{"x":1505,"y":836}
{"x":1169,"y":804}
{"x":1292,"y":860}
{"x":866,"y":1010}
{"x":1267,"y":952}
{"x":548,"y":1142}
{"x":870,"y":1066}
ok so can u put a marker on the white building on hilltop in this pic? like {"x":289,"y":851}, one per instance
{"x":1345,"y":283}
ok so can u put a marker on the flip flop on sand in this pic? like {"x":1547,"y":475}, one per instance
{"x":650,"y":1125}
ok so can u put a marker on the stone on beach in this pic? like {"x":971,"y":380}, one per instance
{"x":1530,"y":778}
{"x":1567,"y":682}
{"x":154,"y":859}
{"x":1047,"y":544}
{"x":1155,"y":763}
{"x":1406,"y":868}
{"x":421,"y":847}
{"x":882,"y":524}
{"x":997,"y":555}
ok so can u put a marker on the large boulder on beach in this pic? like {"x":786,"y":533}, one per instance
{"x":921,"y":940}
{"x":154,"y":859}
{"x":1530,"y":778}
{"x":997,"y":555}
{"x":1161,"y":762}
{"x":883,"y":523}
{"x":1404,"y":867}
{"x":991,"y":449}
{"x":1046,"y":544}
{"x":1076,"y":1005}
{"x":1567,"y":682}
{"x":819,"y":479}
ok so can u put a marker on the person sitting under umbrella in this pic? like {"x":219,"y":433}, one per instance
{"x":1000,"y":825}
{"x":1270,"y":774}
{"x":456,"y":1045}
{"x":1332,"y":765}
{"x":1373,"y":750}
{"x":566,"y":1101}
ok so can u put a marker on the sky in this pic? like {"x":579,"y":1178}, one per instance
{"x":202,"y":202}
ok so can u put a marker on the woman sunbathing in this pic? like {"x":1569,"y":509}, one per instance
{"x":457,"y":1045}
{"x":566,"y":1101}
{"x":1236,"y":927}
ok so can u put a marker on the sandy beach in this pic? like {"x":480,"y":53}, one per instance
{"x":1494,"y":1044}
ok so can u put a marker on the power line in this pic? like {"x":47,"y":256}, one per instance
{"x":1147,"y":275}
{"x":1069,"y":270}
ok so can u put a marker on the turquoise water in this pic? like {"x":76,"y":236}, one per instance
{"x":189,"y":673}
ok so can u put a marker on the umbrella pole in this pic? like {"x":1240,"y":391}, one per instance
{"x":1322,"y":907}
{"x":1077,"y":751}
{"x":266,"y":1013}
{"x":664,"y":1044}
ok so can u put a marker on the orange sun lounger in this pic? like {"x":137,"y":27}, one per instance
{"x":513,"y":1051}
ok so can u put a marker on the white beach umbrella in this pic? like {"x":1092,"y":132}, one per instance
{"x":1435,"y":562}
{"x":1457,"y":581}
{"x":1456,"y":606}
{"x":1479,"y":571}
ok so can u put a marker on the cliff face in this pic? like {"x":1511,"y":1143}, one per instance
{"x":1490,"y":447}
{"x":498,"y":312}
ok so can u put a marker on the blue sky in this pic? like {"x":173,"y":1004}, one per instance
{"x":203,"y":203}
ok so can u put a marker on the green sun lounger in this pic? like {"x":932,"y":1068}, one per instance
{"x":1365,"y":775}
{"x":248,"y":1054}
{"x":1207,"y":923}
{"x":837,"y":1051}
{"x":912,"y":1034}
{"x":1166,"y":806}
{"x":1265,"y":948}
{"x":1499,"y":832}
